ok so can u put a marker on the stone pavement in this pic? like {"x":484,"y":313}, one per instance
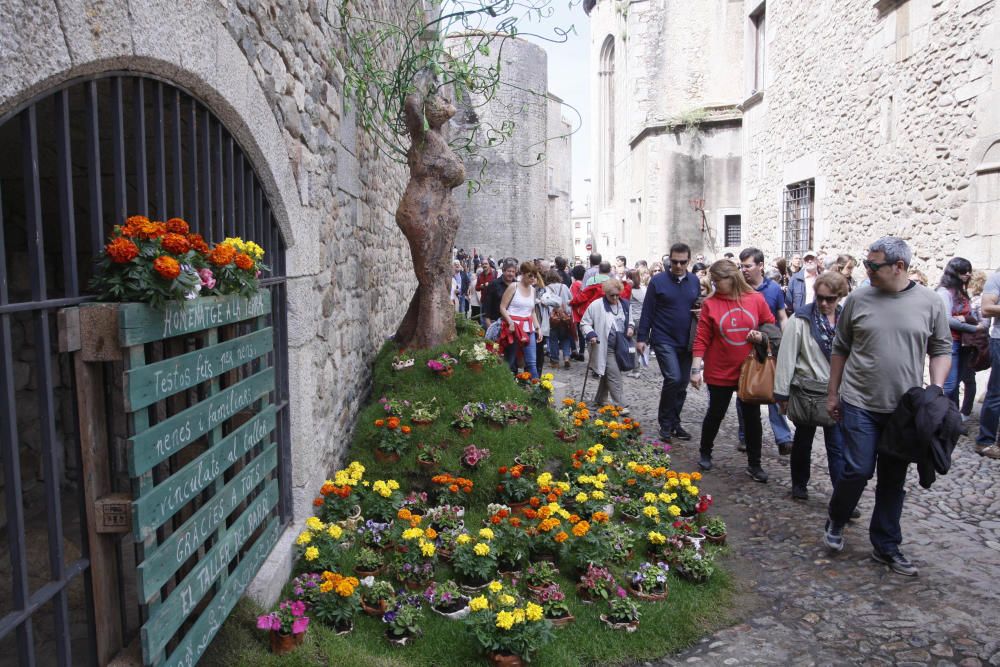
{"x":801,"y":605}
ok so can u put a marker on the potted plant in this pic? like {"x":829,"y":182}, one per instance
{"x":513,"y":541}
{"x":403,"y":620}
{"x":338,"y":497}
{"x":480,"y":355}
{"x":394,"y":439}
{"x":444,"y":518}
{"x":402,"y":361}
{"x":286,"y":625}
{"x":446,"y":599}
{"x":415,"y":556}
{"x":368,"y":562}
{"x":538,"y":575}
{"x":395,"y":407}
{"x":465,"y":419}
{"x":375,"y":596}
{"x":443,"y":365}
{"x":715,"y":530}
{"x":596,"y":582}
{"x":319,"y":546}
{"x":530,"y":459}
{"x":473,"y":456}
{"x":375,"y":534}
{"x":494,"y":623}
{"x":649,"y":582}
{"x":694,"y":565}
{"x":474,"y":560}
{"x":631,"y":509}
{"x":429,"y":456}
{"x":338,"y":601}
{"x":515,"y":486}
{"x":422,"y":414}
{"x":623,"y":612}
{"x":553,"y":602}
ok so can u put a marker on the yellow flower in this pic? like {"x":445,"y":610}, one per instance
{"x":478,"y":604}
{"x":463,"y":539}
{"x":345,"y":589}
{"x":607,"y":459}
{"x":305,"y":537}
{"x":545,"y":479}
{"x":597,"y":495}
{"x":486,"y":533}
{"x":649,"y":497}
{"x":312,"y":553}
{"x":651,"y":511}
{"x":481,"y":549}
{"x":518,"y":615}
{"x":581,"y":497}
{"x":505,"y":620}
{"x":334,"y":531}
{"x":693,"y":490}
{"x":495,"y":587}
{"x":655,"y":537}
{"x":326,"y":587}
{"x":674,"y":510}
{"x":427,"y":548}
{"x":533,"y":612}
{"x":599,"y":422}
{"x":672,"y":482}
{"x":547,"y":385}
{"x":663,"y":497}
{"x":313,"y":523}
{"x":412,"y":533}
{"x":507,"y":600}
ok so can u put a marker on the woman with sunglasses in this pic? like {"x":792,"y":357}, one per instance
{"x":727,"y":326}
{"x":804,"y":365}
{"x":954,"y":293}
{"x":520,"y":331}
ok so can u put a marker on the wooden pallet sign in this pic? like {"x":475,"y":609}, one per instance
{"x":202,"y":456}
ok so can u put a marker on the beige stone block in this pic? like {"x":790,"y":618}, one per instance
{"x":988,"y":110}
{"x":988,"y":218}
{"x":967,"y":222}
{"x":972,"y":89}
{"x":920,"y":13}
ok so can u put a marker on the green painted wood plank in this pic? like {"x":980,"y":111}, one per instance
{"x":154,"y":382}
{"x":149,"y":511}
{"x":139,"y":323}
{"x":172,"y":613}
{"x":160,"y":564}
{"x":149,"y":447}
{"x":197,"y":639}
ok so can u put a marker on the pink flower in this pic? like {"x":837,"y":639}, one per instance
{"x":268,"y":622}
{"x":298,"y":608}
{"x":299,"y":625}
{"x":207,"y":279}
{"x":621,"y":592}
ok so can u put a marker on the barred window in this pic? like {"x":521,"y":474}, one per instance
{"x":733,"y":223}
{"x":797,"y":222}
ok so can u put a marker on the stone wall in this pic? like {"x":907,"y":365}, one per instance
{"x":891,"y":108}
{"x":266,"y":69}
{"x":509,"y":214}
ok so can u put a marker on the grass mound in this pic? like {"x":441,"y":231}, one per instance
{"x":691,"y":610}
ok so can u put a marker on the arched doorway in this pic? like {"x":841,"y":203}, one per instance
{"x":78,"y":160}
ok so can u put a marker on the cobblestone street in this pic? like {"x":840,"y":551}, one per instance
{"x":800,"y":605}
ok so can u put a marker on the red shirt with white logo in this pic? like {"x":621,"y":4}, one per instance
{"x":722,"y":335}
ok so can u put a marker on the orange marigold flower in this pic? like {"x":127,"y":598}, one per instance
{"x":151,"y":230}
{"x":405,"y":429}
{"x":430,"y":533}
{"x":133,"y":224}
{"x":495,"y":520}
{"x":504,"y":513}
{"x":175,"y":243}
{"x":326,"y":489}
{"x":177,"y":226}
{"x":392,"y":422}
{"x":243,"y":262}
{"x":581,"y":528}
{"x":561,"y":537}
{"x":574,"y":518}
{"x":404,"y":514}
{"x":600,"y":517}
{"x":167,"y":267}
{"x":197,"y":242}
{"x":503,"y":470}
{"x":534,"y":501}
{"x":467,"y":489}
{"x":544,"y":512}
{"x":630,"y":481}
{"x":121,"y":251}
{"x":318,"y":501}
{"x":380,"y":423}
{"x":453,"y":488}
{"x":514,"y":521}
{"x":222,"y":255}
{"x":530,"y":513}
{"x":552,"y":497}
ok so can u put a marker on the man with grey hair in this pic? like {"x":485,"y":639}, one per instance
{"x":883,"y":335}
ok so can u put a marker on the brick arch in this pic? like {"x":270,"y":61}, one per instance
{"x":184,"y":44}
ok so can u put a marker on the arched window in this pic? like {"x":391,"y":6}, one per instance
{"x":606,"y":120}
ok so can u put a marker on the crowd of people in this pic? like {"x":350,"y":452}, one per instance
{"x":850,"y":354}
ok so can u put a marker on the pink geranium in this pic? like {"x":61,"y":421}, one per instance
{"x":207,"y":278}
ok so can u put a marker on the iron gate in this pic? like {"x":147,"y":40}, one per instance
{"x":80,"y":159}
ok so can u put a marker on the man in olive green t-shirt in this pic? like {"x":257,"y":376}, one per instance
{"x":883,"y":335}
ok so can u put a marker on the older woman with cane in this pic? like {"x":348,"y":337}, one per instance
{"x":605,"y":327}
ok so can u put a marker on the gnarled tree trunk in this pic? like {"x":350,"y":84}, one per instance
{"x":429,"y":220}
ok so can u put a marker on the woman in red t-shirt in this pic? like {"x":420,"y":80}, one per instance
{"x":727,"y":327}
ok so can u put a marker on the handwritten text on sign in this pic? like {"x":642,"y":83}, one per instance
{"x":177,"y":321}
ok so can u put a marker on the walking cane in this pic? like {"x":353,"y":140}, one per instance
{"x":586,"y":374}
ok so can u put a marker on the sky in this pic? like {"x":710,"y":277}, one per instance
{"x":569,"y":73}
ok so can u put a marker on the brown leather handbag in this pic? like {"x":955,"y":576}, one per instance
{"x":757,"y":378}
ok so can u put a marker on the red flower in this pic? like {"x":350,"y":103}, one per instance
{"x":243,"y":262}
{"x":177,"y":226}
{"x":167,"y":267}
{"x":121,"y":251}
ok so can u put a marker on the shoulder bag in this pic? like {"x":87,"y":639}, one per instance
{"x":807,"y":402}
{"x":756,"y":383}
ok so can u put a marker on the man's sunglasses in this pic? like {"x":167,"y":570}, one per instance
{"x":679,"y":262}
{"x":827,"y":299}
{"x":875,"y":266}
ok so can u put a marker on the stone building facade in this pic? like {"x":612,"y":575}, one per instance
{"x":522,"y":205}
{"x":666,"y":152}
{"x":267,"y":70}
{"x":886,"y":120}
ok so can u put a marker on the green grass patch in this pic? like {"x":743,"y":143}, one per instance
{"x":691,"y":610}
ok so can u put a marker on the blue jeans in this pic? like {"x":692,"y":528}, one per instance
{"x":510,"y":354}
{"x":862,"y":430}
{"x":675,"y":365}
{"x":802,"y":453}
{"x":559,"y":339}
{"x":991,"y":404}
{"x":954,"y":373}
{"x":779,"y":425}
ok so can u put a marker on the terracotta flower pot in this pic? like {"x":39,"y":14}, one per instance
{"x":421,"y":422}
{"x":362,"y":573}
{"x":465,"y":432}
{"x":415,"y":585}
{"x":584,"y":595}
{"x":475,"y":366}
{"x":505,"y":660}
{"x":282,"y":643}
{"x":386,"y":457}
{"x":627,"y":626}
{"x":517,"y":508}
{"x":446,"y":372}
{"x":567,"y":437}
{"x":427,"y":465}
{"x":375,"y":612}
{"x":718,"y":540}
{"x":562,"y":620}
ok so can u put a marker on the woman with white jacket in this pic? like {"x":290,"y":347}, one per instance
{"x":556,"y":296}
{"x":606,"y":319}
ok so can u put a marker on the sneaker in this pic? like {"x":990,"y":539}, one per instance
{"x":663,"y":437}
{"x":680,"y":433}
{"x":833,"y":536}
{"x":576,"y":357}
{"x":757,"y":474}
{"x":741,"y":446}
{"x":897,"y":562}
{"x":855,"y":513}
{"x":989,"y":451}
{"x":624,"y":411}
{"x":705,"y":462}
{"x":566,"y":363}
{"x":785,"y":448}
{"x":800,"y":493}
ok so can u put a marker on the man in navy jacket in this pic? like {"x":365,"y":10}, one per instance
{"x":665,"y":323}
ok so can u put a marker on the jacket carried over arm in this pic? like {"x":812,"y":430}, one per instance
{"x":923,"y":430}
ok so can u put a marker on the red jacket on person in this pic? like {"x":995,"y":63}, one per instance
{"x":721,"y":340}
{"x":588,"y":295}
